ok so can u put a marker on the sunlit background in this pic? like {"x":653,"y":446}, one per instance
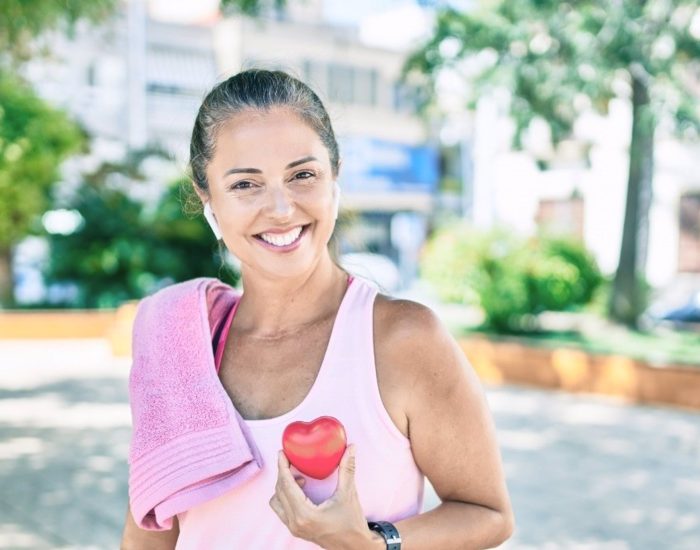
{"x":528,"y":169}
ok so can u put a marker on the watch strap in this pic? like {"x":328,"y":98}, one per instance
{"x":389,"y":533}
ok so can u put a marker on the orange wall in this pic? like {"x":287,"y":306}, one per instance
{"x":114,"y":325}
{"x":576,"y":371}
{"x":55,"y":324}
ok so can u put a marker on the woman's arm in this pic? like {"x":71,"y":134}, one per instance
{"x":135,"y":538}
{"x":450,"y":428}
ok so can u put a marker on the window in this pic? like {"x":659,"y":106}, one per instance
{"x":90,"y":76}
{"x":689,"y":234}
{"x":406,"y":98}
{"x":341,"y":83}
{"x":561,"y":216}
{"x":366,"y":86}
{"x":315,"y":76}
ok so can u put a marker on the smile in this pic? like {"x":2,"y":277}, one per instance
{"x":282,"y":241}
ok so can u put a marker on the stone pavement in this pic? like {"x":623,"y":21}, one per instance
{"x":584,"y":472}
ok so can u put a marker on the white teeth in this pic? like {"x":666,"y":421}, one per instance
{"x":281,"y":239}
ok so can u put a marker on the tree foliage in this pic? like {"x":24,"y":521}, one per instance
{"x":562,"y":58}
{"x":22,"y":21}
{"x":34,"y":139}
{"x":123,"y":249}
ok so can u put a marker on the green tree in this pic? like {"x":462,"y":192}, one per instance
{"x":22,"y":21}
{"x":124,"y":249}
{"x":552,"y":54}
{"x":34,"y":139}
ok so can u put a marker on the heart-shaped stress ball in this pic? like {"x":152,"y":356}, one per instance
{"x":315,"y":448}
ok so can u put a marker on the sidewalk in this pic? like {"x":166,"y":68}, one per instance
{"x":583,"y":472}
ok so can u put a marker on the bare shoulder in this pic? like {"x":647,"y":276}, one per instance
{"x":397,"y":319}
{"x":408,"y":327}
{"x":398,"y":314}
{"x":413,"y":346}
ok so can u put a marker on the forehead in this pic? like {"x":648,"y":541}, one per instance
{"x":255,"y":137}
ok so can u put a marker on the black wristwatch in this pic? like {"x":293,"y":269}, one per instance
{"x":388,"y":532}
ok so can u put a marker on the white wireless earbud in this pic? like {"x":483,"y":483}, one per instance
{"x":336,"y":200}
{"x":211,"y":220}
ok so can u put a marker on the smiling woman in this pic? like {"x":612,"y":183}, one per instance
{"x":304,"y":341}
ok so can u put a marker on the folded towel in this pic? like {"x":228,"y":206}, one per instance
{"x":188,"y":444}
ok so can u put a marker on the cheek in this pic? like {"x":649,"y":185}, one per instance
{"x":316,"y":202}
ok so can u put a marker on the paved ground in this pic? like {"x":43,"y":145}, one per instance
{"x":583,"y":472}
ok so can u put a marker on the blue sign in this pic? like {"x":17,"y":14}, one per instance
{"x":371,"y":165}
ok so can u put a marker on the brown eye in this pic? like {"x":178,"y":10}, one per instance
{"x":241,"y":185}
{"x":304,"y":175}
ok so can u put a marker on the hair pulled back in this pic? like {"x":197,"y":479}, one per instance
{"x":257,"y":90}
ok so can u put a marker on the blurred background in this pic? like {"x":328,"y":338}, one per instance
{"x":531,"y":170}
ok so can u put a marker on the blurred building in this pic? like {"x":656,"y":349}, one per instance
{"x":139,"y":81}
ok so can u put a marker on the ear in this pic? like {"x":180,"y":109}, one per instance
{"x":203,"y":196}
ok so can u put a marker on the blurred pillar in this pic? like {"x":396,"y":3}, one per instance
{"x":136,"y":69}
{"x":486,"y":140}
{"x":466,"y":154}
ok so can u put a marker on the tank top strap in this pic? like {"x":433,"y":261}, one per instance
{"x":352,"y":336}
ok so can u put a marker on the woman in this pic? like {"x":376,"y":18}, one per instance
{"x":307,"y":340}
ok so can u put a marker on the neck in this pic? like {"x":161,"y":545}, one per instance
{"x":276,"y":307}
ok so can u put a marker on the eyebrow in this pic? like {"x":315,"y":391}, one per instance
{"x":258,"y":171}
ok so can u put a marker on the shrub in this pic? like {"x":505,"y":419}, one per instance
{"x":124,"y":250}
{"x":509,"y":277}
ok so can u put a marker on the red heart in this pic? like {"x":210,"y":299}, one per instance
{"x":315,"y":448}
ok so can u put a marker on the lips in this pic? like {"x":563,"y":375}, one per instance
{"x":282,"y":241}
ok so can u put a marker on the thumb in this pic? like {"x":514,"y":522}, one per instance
{"x":346,"y":470}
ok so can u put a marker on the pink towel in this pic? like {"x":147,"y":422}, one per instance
{"x":189,"y":444}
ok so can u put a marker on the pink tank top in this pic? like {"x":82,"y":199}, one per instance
{"x":389,"y":483}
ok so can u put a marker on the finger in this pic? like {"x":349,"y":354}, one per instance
{"x":346,"y":471}
{"x":288,"y":488}
{"x":282,"y":459}
{"x":284,"y":471}
{"x":279,"y":509}
{"x":301,"y":481}
{"x":281,"y":486}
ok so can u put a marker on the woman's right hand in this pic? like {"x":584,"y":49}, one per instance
{"x":338,"y":523}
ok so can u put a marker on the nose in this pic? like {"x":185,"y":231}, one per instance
{"x":281,"y":204}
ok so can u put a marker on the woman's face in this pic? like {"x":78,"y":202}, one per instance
{"x":271,"y":188}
